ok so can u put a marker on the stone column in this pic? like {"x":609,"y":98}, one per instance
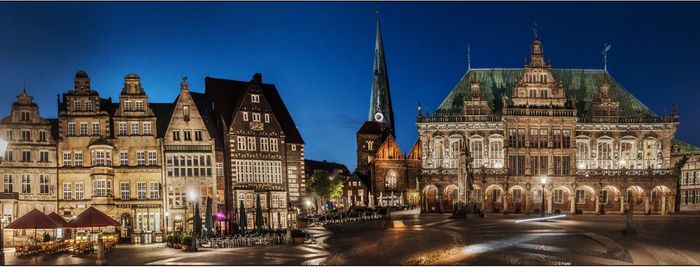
{"x":504,"y":201}
{"x":663,"y":204}
{"x":646,"y":204}
{"x":527,"y":203}
{"x":573,"y":204}
{"x":622,"y":204}
{"x":597,"y":205}
{"x":549,"y":203}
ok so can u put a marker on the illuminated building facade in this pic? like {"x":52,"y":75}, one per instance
{"x":574,"y":138}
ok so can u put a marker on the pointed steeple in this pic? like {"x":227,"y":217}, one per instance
{"x":380,"y":109}
{"x":536,"y":52}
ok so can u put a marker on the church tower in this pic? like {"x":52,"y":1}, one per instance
{"x":380,"y":122}
{"x":380,"y":109}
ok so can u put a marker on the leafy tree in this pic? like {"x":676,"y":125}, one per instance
{"x":325,"y":186}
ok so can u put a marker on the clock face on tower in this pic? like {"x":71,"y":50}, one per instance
{"x":379,"y":117}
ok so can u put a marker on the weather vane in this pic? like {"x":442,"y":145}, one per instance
{"x":534,"y":30}
{"x":606,"y":48}
{"x":469,"y":57}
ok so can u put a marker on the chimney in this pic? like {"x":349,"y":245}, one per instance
{"x":258,"y":77}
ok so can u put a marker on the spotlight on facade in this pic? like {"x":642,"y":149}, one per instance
{"x":622,"y":162}
{"x":193,"y":195}
{"x":581,"y":165}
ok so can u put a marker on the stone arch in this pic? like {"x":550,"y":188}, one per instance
{"x":637,"y":198}
{"x":450,"y":196}
{"x":585,"y":198}
{"x":661,"y":199}
{"x":493,"y":198}
{"x":430,"y":198}
{"x":517,"y":198}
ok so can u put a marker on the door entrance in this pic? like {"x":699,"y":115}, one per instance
{"x":125,"y":231}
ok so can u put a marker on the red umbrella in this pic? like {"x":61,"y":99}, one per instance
{"x":35,"y":219}
{"x":57,"y":219}
{"x":92,"y":218}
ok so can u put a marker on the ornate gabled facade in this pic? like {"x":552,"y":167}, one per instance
{"x":28,"y":167}
{"x":190,"y":159}
{"x":382,"y":168}
{"x":264,"y":152}
{"x":688,"y":157}
{"x":110,"y":158}
{"x":594,"y":144}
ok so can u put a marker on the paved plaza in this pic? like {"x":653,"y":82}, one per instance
{"x":434,"y":239}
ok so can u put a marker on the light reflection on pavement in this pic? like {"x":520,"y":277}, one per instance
{"x":434,"y":239}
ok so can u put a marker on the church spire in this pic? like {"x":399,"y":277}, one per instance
{"x":380,"y":109}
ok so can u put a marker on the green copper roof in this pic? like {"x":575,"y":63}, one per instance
{"x":685,"y":148}
{"x":380,"y":101}
{"x":581,"y":87}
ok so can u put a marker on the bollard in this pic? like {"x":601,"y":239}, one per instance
{"x":100,"y":251}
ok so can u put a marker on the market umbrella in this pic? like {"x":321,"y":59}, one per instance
{"x":243,"y":219}
{"x":92,"y":218}
{"x":197,"y":222}
{"x":35,"y":219}
{"x":58,"y":219}
{"x":209,"y":221}
{"x":258,"y":214}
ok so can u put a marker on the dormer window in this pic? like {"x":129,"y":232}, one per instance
{"x":139,"y":106}
{"x":186,"y":112}
{"x":127,"y":106}
{"x":76,"y":106}
{"x":88,"y":106}
{"x":255,"y":98}
{"x":24,"y":116}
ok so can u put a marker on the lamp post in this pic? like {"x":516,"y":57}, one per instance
{"x":3,"y":148}
{"x":543,"y":180}
{"x":193,"y":199}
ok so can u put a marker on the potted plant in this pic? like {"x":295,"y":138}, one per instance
{"x":176,"y":241}
{"x":298,"y":236}
{"x":186,"y":242}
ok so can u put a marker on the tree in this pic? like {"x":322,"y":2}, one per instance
{"x":325,"y":186}
{"x":197,"y":220}
{"x":243,"y":219}
{"x":208,"y":219}
{"x":258,"y":215}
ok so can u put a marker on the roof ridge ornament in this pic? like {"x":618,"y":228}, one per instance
{"x":606,"y":48}
{"x":469,"y":57}
{"x":534,"y":30}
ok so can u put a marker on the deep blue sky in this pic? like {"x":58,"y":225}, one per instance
{"x":320,"y":54}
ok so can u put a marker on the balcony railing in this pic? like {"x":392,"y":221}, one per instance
{"x":602,"y":119}
{"x":454,"y":171}
{"x":463,"y":118}
{"x":555,"y":112}
{"x":625,"y":172}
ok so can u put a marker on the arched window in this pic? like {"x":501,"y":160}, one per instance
{"x":390,"y":180}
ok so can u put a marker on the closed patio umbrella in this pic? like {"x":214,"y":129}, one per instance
{"x":243,"y":219}
{"x":208,"y":218}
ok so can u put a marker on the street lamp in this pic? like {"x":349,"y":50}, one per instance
{"x":193,"y":199}
{"x":3,"y":148}
{"x":543,"y":180}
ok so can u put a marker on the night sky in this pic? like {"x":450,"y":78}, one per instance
{"x":319,"y":55}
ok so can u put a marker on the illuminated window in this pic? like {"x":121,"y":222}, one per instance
{"x":255,"y":98}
